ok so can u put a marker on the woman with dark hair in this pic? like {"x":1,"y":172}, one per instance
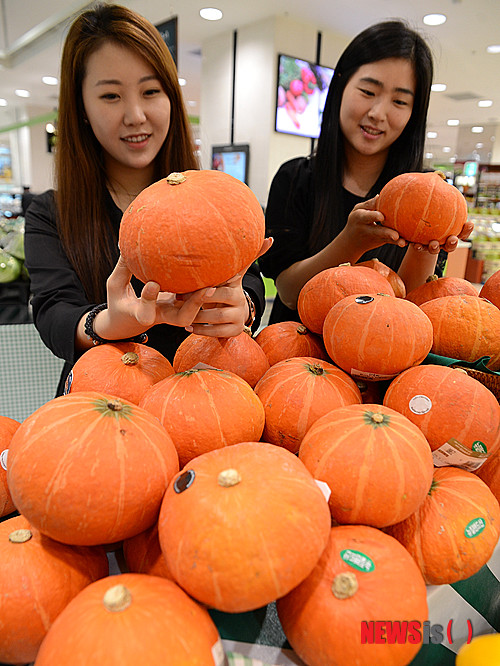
{"x":321,"y":209}
{"x":122,"y":125}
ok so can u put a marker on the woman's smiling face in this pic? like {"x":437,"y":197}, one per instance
{"x":376,"y":105}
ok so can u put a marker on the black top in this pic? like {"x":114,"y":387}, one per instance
{"x":289,"y":217}
{"x":59,"y":300}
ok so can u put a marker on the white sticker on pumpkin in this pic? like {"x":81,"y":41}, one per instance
{"x":325,"y":489}
{"x":420,"y":404}
{"x":218,"y":653}
{"x":3,"y":459}
{"x":456,"y":454}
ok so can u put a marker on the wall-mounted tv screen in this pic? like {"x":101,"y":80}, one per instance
{"x":302,"y":87}
{"x":232,"y":159}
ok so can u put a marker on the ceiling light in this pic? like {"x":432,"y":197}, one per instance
{"x":432,"y":135}
{"x":477,"y":129}
{"x":479,"y":145}
{"x":50,"y":80}
{"x":453,"y":122}
{"x":485,"y":102}
{"x":22,"y":93}
{"x":446,"y":149}
{"x":434,"y":19}
{"x":191,"y":102}
{"x":453,"y":160}
{"x":493,"y":48}
{"x":429,"y":156}
{"x":3,"y":102}
{"x":211,"y":14}
{"x":438,"y":87}
{"x":182,"y":82}
{"x":49,"y":127}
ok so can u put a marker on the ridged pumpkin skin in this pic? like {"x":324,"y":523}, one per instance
{"x":160,"y":625}
{"x":288,"y":339}
{"x":437,"y":287}
{"x":376,"y":337}
{"x":448,"y":406}
{"x":38,"y":578}
{"x":8,"y":427}
{"x":197,"y":233}
{"x":322,"y":617}
{"x":422,"y":207}
{"x":297,"y":392}
{"x":239,"y":354}
{"x":456,"y":529}
{"x":243,"y":525}
{"x":489,"y":472}
{"x":89,"y":469}
{"x":143,"y":554}
{"x":328,"y":287}
{"x":393,"y":278}
{"x":377,"y":464}
{"x":123,"y":369}
{"x":491,"y":289}
{"x":205,"y":409}
{"x":465,"y":327}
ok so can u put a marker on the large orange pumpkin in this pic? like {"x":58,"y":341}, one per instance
{"x":123,"y":369}
{"x":393,"y":278}
{"x":132,"y":619}
{"x":143,"y":554}
{"x":243,"y":525}
{"x":458,"y":415}
{"x":465,"y":327}
{"x":422,"y":207}
{"x":192,"y":230}
{"x":489,"y":472}
{"x":297,"y":392}
{"x":328,"y":287}
{"x":364,"y":577}
{"x":38,"y":578}
{"x":376,"y":336}
{"x":8,"y":427}
{"x":454,"y":532}
{"x":288,"y":339}
{"x":436,"y":287}
{"x":88,"y":469}
{"x":491,"y":289}
{"x":205,"y":409}
{"x":240,"y":354}
{"x":377,"y":464}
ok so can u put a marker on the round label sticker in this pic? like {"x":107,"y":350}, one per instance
{"x":357,"y":560}
{"x":420,"y":404}
{"x":3,"y":459}
{"x":479,"y":447}
{"x":475,"y":527}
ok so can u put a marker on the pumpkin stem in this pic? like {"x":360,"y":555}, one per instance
{"x":346,"y":263}
{"x":316,"y":369}
{"x":228,"y":478}
{"x":301,"y":329}
{"x":130,"y":358}
{"x":432,"y":278}
{"x":345,"y":585}
{"x":378,"y":418}
{"x":114,"y":405}
{"x":440,"y":173}
{"x":117,"y":598}
{"x":247,"y":330}
{"x":176,"y":178}
{"x":20,"y":536}
{"x":434,"y":486}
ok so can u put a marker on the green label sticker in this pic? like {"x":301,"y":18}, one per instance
{"x":475,"y":527}
{"x":357,"y":560}
{"x":479,"y":447}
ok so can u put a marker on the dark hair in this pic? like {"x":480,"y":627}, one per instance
{"x":79,"y":167}
{"x":389,"y":39}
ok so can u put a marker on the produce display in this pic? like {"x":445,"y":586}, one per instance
{"x":12,"y":250}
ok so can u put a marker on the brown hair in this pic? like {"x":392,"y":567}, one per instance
{"x":83,"y":223}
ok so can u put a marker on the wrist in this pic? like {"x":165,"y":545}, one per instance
{"x":251,"y":310}
{"x":100,"y":312}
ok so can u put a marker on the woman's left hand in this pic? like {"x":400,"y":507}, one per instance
{"x":451,"y":242}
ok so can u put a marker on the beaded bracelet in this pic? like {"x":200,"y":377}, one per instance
{"x":96,"y":339}
{"x":251,"y":309}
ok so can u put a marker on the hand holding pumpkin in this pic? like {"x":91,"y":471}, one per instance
{"x":450,"y":244}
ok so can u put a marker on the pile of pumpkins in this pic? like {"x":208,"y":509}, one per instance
{"x":320,"y":464}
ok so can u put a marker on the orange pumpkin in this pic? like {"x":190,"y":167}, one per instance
{"x":328,"y":287}
{"x":123,"y":369}
{"x":192,"y":230}
{"x":205,"y":409}
{"x":297,"y":392}
{"x":38,"y":578}
{"x":491,"y":289}
{"x":422,"y":207}
{"x":88,"y":469}
{"x":489,"y":472}
{"x":8,"y":427}
{"x":465,"y":327}
{"x":436,"y":287}
{"x":458,"y":415}
{"x":393,"y":278}
{"x":143,"y":554}
{"x":240,"y":354}
{"x":132,"y":619}
{"x":377,"y":464}
{"x":376,"y":336}
{"x":243,"y":525}
{"x":364,"y":576}
{"x":288,"y":339}
{"x":456,"y":529}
